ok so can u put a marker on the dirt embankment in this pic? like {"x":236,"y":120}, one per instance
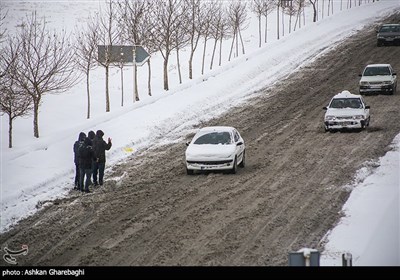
{"x":288,"y":196}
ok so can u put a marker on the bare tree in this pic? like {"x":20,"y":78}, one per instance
{"x":278,"y":4}
{"x":313,"y":3}
{"x":291,"y":10}
{"x":237,"y":14}
{"x":44,"y":64}
{"x":13,"y":101}
{"x":218,"y":31}
{"x":300,"y":8}
{"x":109,"y":34}
{"x":136,"y":27}
{"x":85,"y":54}
{"x":268,"y":7}
{"x":210,"y":9}
{"x":195,"y":22}
{"x":181,"y":40}
{"x":223,"y":34}
{"x":257,"y":7}
{"x":166,"y":17}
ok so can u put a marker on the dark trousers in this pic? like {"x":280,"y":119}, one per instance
{"x":88,"y":173}
{"x":77,"y":176}
{"x":98,"y":168}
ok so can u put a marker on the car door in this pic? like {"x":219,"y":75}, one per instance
{"x":366,"y":111}
{"x":239,"y":147}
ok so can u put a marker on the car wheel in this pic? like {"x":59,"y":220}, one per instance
{"x":326,"y":129}
{"x":379,"y":44}
{"x":234,"y":168}
{"x":243,"y":163}
{"x":189,"y":171}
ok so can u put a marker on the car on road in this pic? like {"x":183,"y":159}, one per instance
{"x":346,"y":111}
{"x":215,"y":148}
{"x":378,"y":78}
{"x":388,"y":34}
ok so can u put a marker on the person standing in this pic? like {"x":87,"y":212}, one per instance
{"x":77,"y":144}
{"x":100,"y":146}
{"x":86,"y":156}
{"x":91,"y":135}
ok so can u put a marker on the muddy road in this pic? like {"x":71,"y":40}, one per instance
{"x":287,"y":197}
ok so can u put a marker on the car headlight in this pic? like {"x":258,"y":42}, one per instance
{"x":358,"y":117}
{"x":387,"y":82}
{"x":364,"y":83}
{"x":330,"y":118}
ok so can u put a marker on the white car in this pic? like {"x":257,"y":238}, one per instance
{"x":346,"y":111}
{"x":378,"y":78}
{"x":215,"y":148}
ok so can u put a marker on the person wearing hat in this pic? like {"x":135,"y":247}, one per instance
{"x":86,"y":156}
{"x":99,"y":147}
{"x":77,"y":144}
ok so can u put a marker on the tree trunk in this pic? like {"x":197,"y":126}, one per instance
{"x":136,"y":83}
{"x":10,"y":131}
{"x":213,"y":53}
{"x":266,"y":29}
{"x":166,"y":72}
{"x":191,"y":65}
{"x":107,"y":92}
{"x":241,"y":41}
{"x":233,"y":41}
{"x":237,"y":44}
{"x":220,"y":51}
{"x":277,"y":21}
{"x":178,"y":65}
{"x":122,"y":86}
{"x":36,"y":117}
{"x":88,"y":95}
{"x":204,"y":55}
{"x":149,"y":78}
{"x":259,"y":31}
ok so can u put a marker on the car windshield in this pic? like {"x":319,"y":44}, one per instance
{"x":377,"y":71}
{"x":339,"y":103}
{"x":214,"y":138}
{"x":385,"y":29}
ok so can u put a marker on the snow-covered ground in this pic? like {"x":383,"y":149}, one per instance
{"x":36,"y":170}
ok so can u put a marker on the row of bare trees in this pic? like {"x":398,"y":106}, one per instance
{"x":35,"y":61}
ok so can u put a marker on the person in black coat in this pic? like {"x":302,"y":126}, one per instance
{"x":100,"y":146}
{"x":77,"y":144}
{"x":86,"y":156}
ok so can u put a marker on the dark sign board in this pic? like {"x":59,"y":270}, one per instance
{"x":124,"y":54}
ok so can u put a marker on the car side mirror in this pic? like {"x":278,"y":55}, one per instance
{"x":187,"y":143}
{"x":394,"y":74}
{"x":367,"y":107}
{"x":325,"y":108}
{"x":359,"y":75}
{"x":239,"y":143}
